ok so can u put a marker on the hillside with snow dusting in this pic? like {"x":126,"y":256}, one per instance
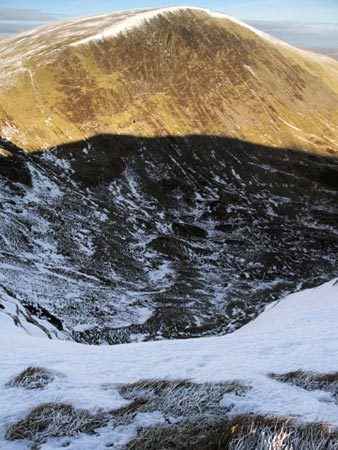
{"x":120,"y":239}
{"x":169,"y":71}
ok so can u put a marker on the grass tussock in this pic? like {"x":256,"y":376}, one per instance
{"x":131,"y":408}
{"x":33,"y":378}
{"x":177,"y":400}
{"x":310,"y":381}
{"x":193,"y":420}
{"x":238,"y":433}
{"x":54,"y":420}
{"x":181,"y":398}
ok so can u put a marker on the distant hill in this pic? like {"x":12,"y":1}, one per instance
{"x":332,"y":52}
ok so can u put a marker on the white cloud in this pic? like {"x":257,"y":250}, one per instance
{"x":27,"y":15}
{"x":300,"y":34}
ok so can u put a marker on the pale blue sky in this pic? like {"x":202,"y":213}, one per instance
{"x":305,"y":23}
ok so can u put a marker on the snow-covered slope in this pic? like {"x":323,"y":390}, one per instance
{"x":304,"y":337}
{"x":119,"y":239}
{"x":126,"y":20}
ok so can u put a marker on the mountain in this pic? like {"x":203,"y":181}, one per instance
{"x":162,"y":178}
{"x":169,"y":71}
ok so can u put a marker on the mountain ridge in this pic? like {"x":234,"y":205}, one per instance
{"x":183,"y":71}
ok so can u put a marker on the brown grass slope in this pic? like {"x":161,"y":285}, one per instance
{"x":183,"y":72}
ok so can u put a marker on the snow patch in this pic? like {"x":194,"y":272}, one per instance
{"x":139,"y":17}
{"x":298,"y":332}
{"x":289,"y":124}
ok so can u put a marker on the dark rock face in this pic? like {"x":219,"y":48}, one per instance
{"x":189,"y":231}
{"x":99,"y":160}
{"x":123,"y":239}
{"x":14,"y":167}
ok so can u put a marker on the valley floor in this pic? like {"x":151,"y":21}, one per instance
{"x":299,"y":332}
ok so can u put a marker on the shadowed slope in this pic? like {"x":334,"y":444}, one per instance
{"x":125,"y":238}
{"x":181,"y":72}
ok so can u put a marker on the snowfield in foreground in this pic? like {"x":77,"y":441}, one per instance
{"x":299,"y":332}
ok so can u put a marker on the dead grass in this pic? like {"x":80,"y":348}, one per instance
{"x":310,"y":381}
{"x":181,"y":398}
{"x":54,"y":420}
{"x":194,"y":420}
{"x":33,"y":378}
{"x":130,"y":409}
{"x":239,"y":433}
{"x":201,"y":424}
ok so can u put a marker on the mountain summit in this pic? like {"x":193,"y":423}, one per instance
{"x":168,"y":71}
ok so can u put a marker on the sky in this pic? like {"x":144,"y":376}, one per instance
{"x":304,"y":23}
